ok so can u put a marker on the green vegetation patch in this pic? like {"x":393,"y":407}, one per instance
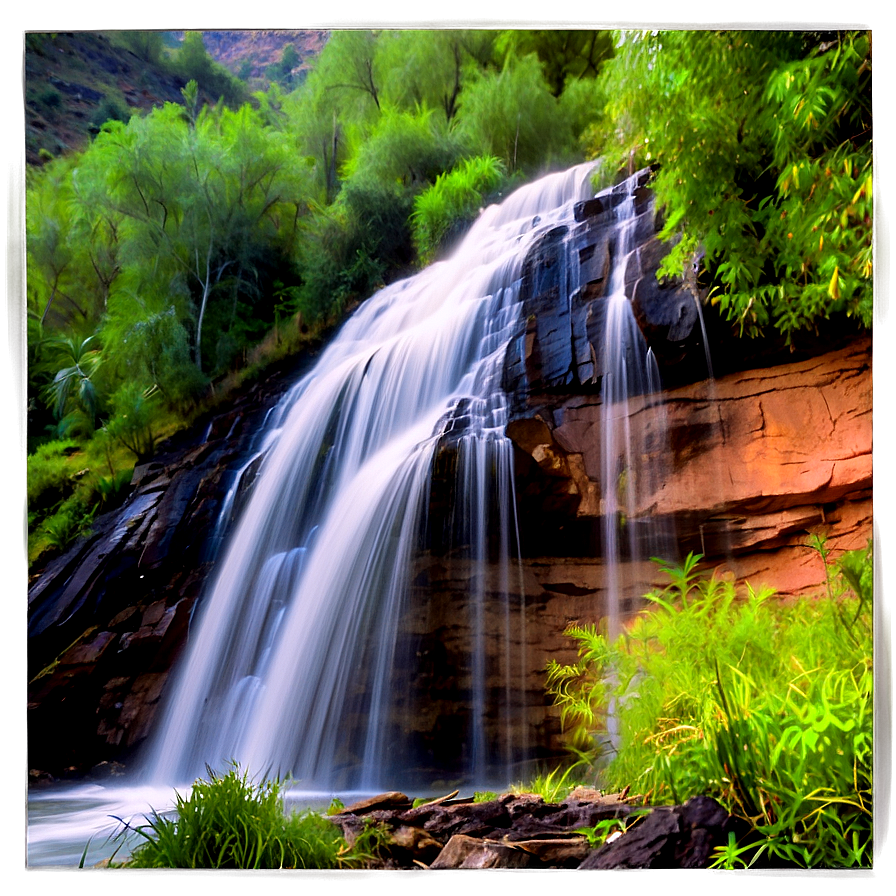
{"x":228,"y":821}
{"x":763,"y":704}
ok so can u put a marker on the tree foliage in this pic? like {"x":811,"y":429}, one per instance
{"x":764,"y":143}
{"x":193,"y":63}
{"x":430,"y":68}
{"x":565,"y":55}
{"x":512,"y":114}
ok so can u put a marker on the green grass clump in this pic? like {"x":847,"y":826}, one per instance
{"x":230,"y":822}
{"x":765,"y":705}
{"x":452,"y":202}
{"x":553,"y":786}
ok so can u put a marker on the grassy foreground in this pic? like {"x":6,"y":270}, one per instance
{"x":228,"y":821}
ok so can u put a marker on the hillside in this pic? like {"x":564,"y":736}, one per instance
{"x":77,"y":80}
{"x":248,"y":53}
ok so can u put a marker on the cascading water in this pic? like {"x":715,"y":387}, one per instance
{"x":291,"y":667}
{"x":630,"y":370}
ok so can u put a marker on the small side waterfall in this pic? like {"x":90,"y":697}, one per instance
{"x":630,"y":371}
{"x":292,"y":663}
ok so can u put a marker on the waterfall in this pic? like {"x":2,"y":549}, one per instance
{"x":630,"y":371}
{"x":292,"y":661}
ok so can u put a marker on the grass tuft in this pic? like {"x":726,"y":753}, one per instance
{"x":228,"y":821}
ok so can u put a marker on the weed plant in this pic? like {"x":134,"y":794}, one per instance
{"x":553,"y":786}
{"x":764,"y":704}
{"x":228,"y":821}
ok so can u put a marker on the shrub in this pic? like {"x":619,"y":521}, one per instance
{"x":230,"y":822}
{"x":73,"y":518}
{"x":132,"y":420}
{"x":49,"y":97}
{"x":111,"y":490}
{"x":765,"y":705}
{"x":49,"y":473}
{"x":61,"y":529}
{"x":447,"y":207}
{"x":110,"y":109}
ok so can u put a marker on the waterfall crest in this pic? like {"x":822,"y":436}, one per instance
{"x":290,"y":668}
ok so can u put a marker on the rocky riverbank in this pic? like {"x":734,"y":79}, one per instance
{"x":587,"y":830}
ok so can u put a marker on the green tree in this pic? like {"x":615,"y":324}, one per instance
{"x":203,"y":202}
{"x":403,"y":149}
{"x":316,"y":115}
{"x":429,"y":68}
{"x":148,"y":46}
{"x":348,"y":66}
{"x":512,"y":114}
{"x":52,"y":280}
{"x":282,"y":72}
{"x":193,"y":63}
{"x":565,"y":55}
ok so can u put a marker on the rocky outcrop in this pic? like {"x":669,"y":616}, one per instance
{"x":740,"y":468}
{"x":567,"y":278}
{"x":525,"y":831}
{"x":747,"y":465}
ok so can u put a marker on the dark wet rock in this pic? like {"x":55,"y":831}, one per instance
{"x":524,"y":831}
{"x":668,"y":837}
{"x":565,"y":287}
{"x":105,"y":771}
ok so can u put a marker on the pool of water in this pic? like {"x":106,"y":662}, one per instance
{"x":65,"y":821}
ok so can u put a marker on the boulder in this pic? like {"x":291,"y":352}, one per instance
{"x":463,"y":851}
{"x":668,"y":837}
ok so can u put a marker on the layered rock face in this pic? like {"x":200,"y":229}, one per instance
{"x":748,"y":465}
{"x":740,"y":469}
{"x":107,"y":620}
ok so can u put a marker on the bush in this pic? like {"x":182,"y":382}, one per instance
{"x":49,"y":473}
{"x":131,"y":424}
{"x":338,"y":266}
{"x":49,"y":98}
{"x":764,"y":705}
{"x":110,"y":109}
{"x":72,"y":518}
{"x":444,"y":210}
{"x":230,"y":822}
